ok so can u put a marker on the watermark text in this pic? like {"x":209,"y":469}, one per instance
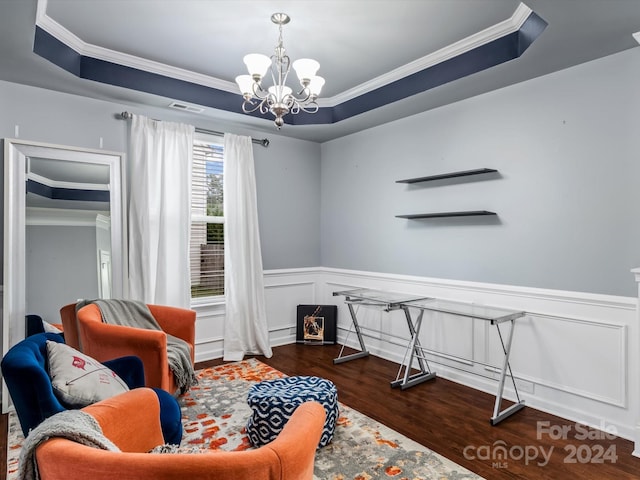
{"x":584,"y":444}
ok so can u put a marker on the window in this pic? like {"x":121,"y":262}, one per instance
{"x":206,"y":249}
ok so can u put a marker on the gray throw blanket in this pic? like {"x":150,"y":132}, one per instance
{"x":74,"y":425}
{"x":130,"y":313}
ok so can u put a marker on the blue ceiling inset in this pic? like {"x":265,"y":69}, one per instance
{"x":482,"y":57}
{"x":59,"y":193}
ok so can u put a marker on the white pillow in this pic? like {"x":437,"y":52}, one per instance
{"x":49,"y":328}
{"x":79,"y":380}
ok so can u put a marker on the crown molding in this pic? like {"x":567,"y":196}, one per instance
{"x":52,"y":27}
{"x":485,"y":36}
{"x":67,"y":185}
{"x":58,"y":217}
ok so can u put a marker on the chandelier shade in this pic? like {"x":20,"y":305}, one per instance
{"x":305,"y":69}
{"x":245,"y":82}
{"x":278,"y":98}
{"x":257,"y":64}
{"x":315,"y":85}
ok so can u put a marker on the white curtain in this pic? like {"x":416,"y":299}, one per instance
{"x":160,"y":211}
{"x":245,"y":330}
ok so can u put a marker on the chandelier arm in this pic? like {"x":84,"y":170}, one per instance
{"x":259,"y":92}
{"x":290,"y":100}
{"x":266,"y":104}
{"x":273,"y":72}
{"x":303,"y":95}
{"x":280,"y":66}
{"x":312,"y":107}
{"x":253,"y":108}
{"x":285,"y":66}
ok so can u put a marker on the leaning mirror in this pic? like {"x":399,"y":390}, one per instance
{"x":63,"y":235}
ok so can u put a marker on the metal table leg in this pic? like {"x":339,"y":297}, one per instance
{"x":363,"y":349}
{"x":498,"y":415}
{"x":414,"y":349}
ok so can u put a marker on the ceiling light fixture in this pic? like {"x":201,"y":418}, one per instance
{"x":279,"y":99}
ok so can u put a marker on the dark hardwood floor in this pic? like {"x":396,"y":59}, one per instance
{"x":453,"y":420}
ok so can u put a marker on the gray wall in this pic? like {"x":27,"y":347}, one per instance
{"x":287,"y":173}
{"x":288,"y":185}
{"x":567,"y":148}
{"x":61,"y":267}
{"x":564,"y":145}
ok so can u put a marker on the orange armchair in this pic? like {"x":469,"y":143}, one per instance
{"x":70,"y":326}
{"x":104,"y":342}
{"x":130,"y":421}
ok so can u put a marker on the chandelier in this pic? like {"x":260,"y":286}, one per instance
{"x":279,"y":99}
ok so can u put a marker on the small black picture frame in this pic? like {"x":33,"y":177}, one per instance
{"x":316,"y":324}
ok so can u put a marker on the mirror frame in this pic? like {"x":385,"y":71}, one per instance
{"x":14,"y":273}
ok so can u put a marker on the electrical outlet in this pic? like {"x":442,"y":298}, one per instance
{"x":524,"y":386}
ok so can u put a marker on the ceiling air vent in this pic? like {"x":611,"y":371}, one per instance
{"x":186,"y":108}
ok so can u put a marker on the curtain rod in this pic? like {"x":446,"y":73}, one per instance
{"x":264,"y":141}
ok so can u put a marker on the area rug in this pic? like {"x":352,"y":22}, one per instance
{"x":215,"y":413}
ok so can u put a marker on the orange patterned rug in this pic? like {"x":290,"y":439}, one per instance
{"x":215,"y":413}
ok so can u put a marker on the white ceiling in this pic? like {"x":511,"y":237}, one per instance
{"x":356,"y":42}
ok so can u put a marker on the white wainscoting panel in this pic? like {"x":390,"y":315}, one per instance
{"x":284,"y":290}
{"x":450,"y":336}
{"x":571,"y":354}
{"x":578,"y":356}
{"x":574,"y":354}
{"x":209,"y":331}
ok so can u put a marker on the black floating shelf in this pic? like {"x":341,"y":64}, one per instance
{"x":465,"y":173}
{"x":467,"y":213}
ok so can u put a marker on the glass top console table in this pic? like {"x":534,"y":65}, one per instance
{"x":389,"y":301}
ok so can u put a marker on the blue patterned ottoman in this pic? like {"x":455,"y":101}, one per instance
{"x":273,"y":402}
